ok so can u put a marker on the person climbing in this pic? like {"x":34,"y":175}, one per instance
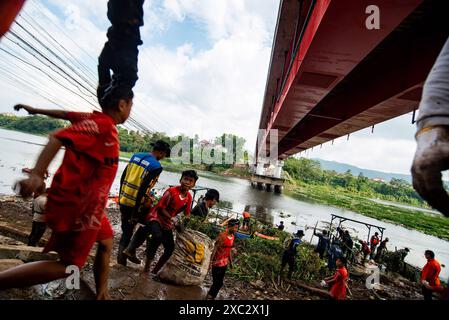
{"x":38,"y":209}
{"x":374,"y":242}
{"x":432,"y":136}
{"x":289,"y":255}
{"x":334,"y":253}
{"x":281,"y":226}
{"x":366,"y":250}
{"x":381,"y":249}
{"x":137,"y":180}
{"x":120,"y":52}
{"x":9,"y":9}
{"x":246,"y":220}
{"x":339,"y":281}
{"x":159,"y":222}
{"x":75,"y":209}
{"x":222,"y":257}
{"x":211,"y":198}
{"x":430,"y":275}
{"x":323,"y":242}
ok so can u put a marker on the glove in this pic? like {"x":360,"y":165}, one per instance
{"x":432,"y":157}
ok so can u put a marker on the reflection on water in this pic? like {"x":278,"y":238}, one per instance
{"x":296,"y":212}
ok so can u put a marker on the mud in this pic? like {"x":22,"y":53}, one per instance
{"x":129,"y":283}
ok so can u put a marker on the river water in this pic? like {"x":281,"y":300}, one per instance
{"x":18,"y":150}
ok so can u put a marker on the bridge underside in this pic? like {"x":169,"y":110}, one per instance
{"x":345,"y":77}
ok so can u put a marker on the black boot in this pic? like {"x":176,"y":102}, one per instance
{"x":121,"y":259}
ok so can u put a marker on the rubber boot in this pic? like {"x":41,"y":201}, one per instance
{"x":146,"y":268}
{"x":121,"y":259}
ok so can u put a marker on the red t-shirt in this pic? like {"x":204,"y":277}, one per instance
{"x":174,"y":203}
{"x":338,"y":290}
{"x":222,"y":254}
{"x":430,"y":273}
{"x":80,"y":187}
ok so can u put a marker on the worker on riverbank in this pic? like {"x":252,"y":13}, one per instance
{"x":289,"y":255}
{"x":38,"y":209}
{"x":430,"y":275}
{"x":222,"y":257}
{"x":366,"y":250}
{"x":281,"y":226}
{"x":136,"y":183}
{"x":159,"y":222}
{"x":381,"y":249}
{"x":397,"y":263}
{"x":339,"y":281}
{"x":334,"y":253}
{"x":75,"y":209}
{"x":246,"y":220}
{"x":323,"y":242}
{"x":374,"y":242}
{"x":210,"y":199}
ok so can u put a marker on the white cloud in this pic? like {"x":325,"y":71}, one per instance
{"x":205,"y":91}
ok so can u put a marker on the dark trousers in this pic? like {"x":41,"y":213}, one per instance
{"x":120,"y":52}
{"x":320,"y":251}
{"x":37,"y":231}
{"x":158,"y":236}
{"x":427,"y":293}
{"x":127,"y":226}
{"x":218,"y":274}
{"x":290,"y":260}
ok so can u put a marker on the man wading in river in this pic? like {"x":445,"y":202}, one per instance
{"x":221,"y":257}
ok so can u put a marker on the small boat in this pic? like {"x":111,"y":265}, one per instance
{"x":263,"y":236}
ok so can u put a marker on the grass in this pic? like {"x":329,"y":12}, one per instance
{"x":433,"y":225}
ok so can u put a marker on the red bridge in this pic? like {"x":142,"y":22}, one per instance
{"x":330,"y":75}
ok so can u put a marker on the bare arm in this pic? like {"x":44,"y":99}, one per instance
{"x":58,"y":114}
{"x":36,"y":178}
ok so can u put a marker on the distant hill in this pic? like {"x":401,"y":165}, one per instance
{"x":372,"y":174}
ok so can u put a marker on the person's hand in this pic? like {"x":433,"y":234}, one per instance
{"x":29,"y":109}
{"x":431,"y":157}
{"x":30,"y":185}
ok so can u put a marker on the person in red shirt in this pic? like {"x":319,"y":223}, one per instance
{"x":246,"y":220}
{"x":429,"y":275}
{"x":78,"y":194}
{"x":374,"y":243}
{"x":221,"y":257}
{"x":159,"y":222}
{"x":338,"y":281}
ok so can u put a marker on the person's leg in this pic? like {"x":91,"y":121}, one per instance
{"x":218,"y":274}
{"x":136,"y":241}
{"x":101,"y":268}
{"x":37,"y":231}
{"x":152,"y":244}
{"x":32,"y":273}
{"x":427,"y":294}
{"x":291,"y":266}
{"x":169,"y":246}
{"x":127,"y":232}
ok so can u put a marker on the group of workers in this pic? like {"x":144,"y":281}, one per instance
{"x":75,"y":202}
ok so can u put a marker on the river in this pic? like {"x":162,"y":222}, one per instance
{"x":20,"y":150}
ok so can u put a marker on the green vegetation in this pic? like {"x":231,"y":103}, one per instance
{"x":135,"y":141}
{"x":32,"y":124}
{"x":260,"y":259}
{"x":309,"y":182}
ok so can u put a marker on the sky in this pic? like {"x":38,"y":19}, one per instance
{"x":202,"y":70}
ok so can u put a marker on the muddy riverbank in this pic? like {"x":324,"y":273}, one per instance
{"x":129,"y":283}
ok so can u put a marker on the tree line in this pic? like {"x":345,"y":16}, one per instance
{"x":310,"y":172}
